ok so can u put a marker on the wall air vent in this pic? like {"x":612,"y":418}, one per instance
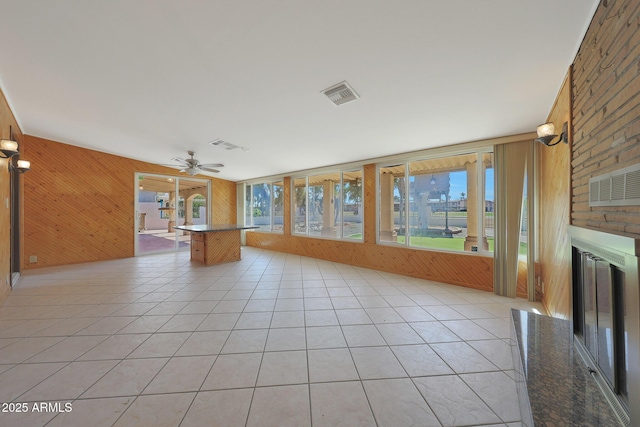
{"x":619,"y":188}
{"x":341,"y":94}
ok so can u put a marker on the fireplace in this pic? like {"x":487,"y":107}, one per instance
{"x":606,"y":315}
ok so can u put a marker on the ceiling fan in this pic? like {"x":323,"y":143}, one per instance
{"x":192,"y":166}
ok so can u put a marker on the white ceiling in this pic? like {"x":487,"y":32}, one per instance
{"x":151,"y":79}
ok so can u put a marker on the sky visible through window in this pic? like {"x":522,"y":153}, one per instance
{"x":458,"y":184}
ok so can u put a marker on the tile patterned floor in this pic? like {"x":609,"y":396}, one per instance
{"x":272,"y":340}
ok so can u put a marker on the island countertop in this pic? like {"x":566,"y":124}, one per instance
{"x":211,"y":228}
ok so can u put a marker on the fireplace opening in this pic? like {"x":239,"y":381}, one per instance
{"x":599,"y":318}
{"x":605,"y":314}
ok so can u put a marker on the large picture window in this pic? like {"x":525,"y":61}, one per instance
{"x":328,"y":205}
{"x":434,"y":203}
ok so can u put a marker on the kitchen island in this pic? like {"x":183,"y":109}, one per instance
{"x":214,"y":243}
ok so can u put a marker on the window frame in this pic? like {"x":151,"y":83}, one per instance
{"x":249,"y":215}
{"x":480,"y":199}
{"x":340,"y":235}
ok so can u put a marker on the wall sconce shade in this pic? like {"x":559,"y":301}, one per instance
{"x":547,"y":132}
{"x":8,"y":148}
{"x":21,"y":166}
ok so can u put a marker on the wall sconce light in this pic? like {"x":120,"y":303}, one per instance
{"x":8,"y":148}
{"x":21,"y":166}
{"x":547,"y":132}
{"x":433,"y":180}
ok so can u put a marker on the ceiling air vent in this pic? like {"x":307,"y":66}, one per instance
{"x":226,"y":145}
{"x":619,"y":188}
{"x":341,"y":94}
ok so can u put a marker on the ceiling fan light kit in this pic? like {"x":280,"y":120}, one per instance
{"x":192,"y":166}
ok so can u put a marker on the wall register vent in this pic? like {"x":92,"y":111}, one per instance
{"x":340,"y":94}
{"x":619,"y":188}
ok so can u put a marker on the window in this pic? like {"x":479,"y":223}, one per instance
{"x":278,"y":206}
{"x":489,"y":201}
{"x":328,"y":205}
{"x":299,"y":204}
{"x":261,"y":206}
{"x":433,"y":203}
{"x":264,"y":205}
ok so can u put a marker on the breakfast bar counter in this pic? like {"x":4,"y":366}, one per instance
{"x":214,"y":243}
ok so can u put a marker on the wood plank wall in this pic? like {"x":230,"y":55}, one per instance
{"x":554,"y":202}
{"x":7,"y":124}
{"x":470,"y":270}
{"x":606,"y":115}
{"x":79,"y":203}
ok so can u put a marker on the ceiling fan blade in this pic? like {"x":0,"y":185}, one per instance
{"x":212,"y":165}
{"x":209,"y":169}
{"x":181,"y":160}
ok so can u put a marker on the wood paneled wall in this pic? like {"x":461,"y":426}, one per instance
{"x":606,"y":115}
{"x":8,"y":124}
{"x":79,"y":203}
{"x":554,"y":202}
{"x":468,"y":270}
{"x":459,"y":269}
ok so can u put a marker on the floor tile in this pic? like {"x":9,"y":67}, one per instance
{"x":325,"y":337}
{"x":203,"y":343}
{"x":286,"y":339}
{"x":362,"y":336}
{"x":497,"y":352}
{"x":498,"y":391}
{"x":399,"y":333}
{"x":384,"y":315}
{"x":320,"y":318}
{"x":260,"y":320}
{"x":145,"y":325}
{"x":219,"y":322}
{"x":160,"y":345}
{"x":340,"y":404}
{"x":67,"y":350}
{"x":468,"y":330}
{"x":434,"y":332}
{"x":462,"y":358}
{"x":69,"y":382}
{"x":280,"y":407}
{"x":228,"y":408}
{"x":19,"y":379}
{"x":162,"y":410}
{"x":233,"y":371}
{"x":115,"y":347}
{"x":93,"y":412}
{"x":397,"y":402}
{"x":421,"y":360}
{"x":283,"y":367}
{"x":181,"y":374}
{"x":288,"y":319}
{"x":377,"y":362}
{"x":289,"y":304}
{"x":127,"y":378}
{"x":331,"y":365}
{"x":107,"y":325}
{"x":453,"y":402}
{"x":357,"y":316}
{"x":183,"y":323}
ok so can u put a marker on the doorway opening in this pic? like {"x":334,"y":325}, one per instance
{"x":163,"y":201}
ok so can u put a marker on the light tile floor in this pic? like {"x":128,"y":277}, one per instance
{"x":272,"y":340}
